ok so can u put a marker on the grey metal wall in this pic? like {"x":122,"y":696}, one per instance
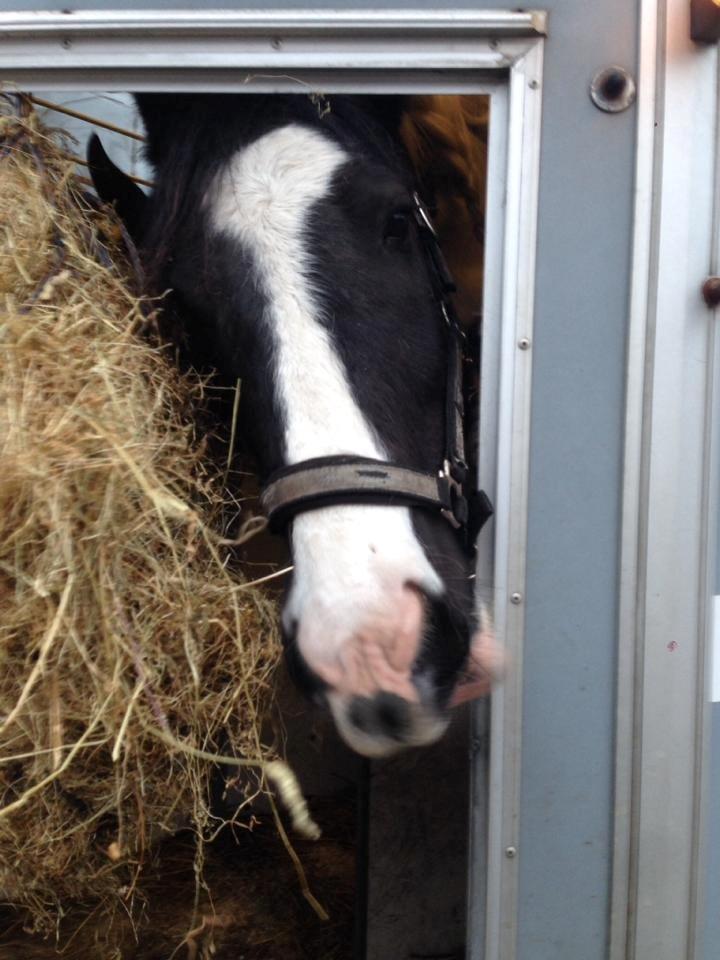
{"x":584,"y":244}
{"x":577,"y":426}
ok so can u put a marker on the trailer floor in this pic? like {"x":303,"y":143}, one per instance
{"x":257,"y":911}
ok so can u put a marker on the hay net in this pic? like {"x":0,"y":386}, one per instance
{"x":127,"y":645}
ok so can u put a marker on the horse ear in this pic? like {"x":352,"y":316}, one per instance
{"x":114,"y":186}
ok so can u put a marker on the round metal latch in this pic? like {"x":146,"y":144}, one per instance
{"x":612,"y":90}
{"x":711,"y":292}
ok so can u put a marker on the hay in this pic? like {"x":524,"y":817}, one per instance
{"x":129,"y":648}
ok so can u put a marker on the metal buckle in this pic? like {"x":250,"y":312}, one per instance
{"x":456,"y":510}
{"x":423,"y":216}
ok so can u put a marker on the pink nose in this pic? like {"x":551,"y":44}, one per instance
{"x":378,"y":655}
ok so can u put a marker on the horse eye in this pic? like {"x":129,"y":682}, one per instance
{"x":397,"y":228}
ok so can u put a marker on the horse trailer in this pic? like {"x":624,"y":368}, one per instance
{"x":576,"y":816}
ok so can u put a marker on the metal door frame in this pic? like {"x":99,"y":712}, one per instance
{"x":494,"y":52}
{"x":665,"y":544}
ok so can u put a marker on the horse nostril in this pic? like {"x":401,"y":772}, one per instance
{"x":385,"y":714}
{"x":393,"y":715}
{"x":360,"y":713}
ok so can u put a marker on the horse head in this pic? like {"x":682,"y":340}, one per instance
{"x":288,"y":230}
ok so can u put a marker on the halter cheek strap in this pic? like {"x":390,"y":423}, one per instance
{"x":347,"y":479}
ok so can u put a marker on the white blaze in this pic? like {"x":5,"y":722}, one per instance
{"x":350,"y":561}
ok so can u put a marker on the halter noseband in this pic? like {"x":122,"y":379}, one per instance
{"x":348,"y":479}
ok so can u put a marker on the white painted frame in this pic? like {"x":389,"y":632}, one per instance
{"x":495,"y":52}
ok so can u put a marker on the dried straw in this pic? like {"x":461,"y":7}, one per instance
{"x":131,"y":651}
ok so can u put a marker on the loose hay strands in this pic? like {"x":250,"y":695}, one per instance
{"x":129,"y":648}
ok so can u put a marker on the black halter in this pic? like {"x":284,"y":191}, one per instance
{"x":347,"y":479}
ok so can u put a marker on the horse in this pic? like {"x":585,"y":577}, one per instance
{"x":299,"y":254}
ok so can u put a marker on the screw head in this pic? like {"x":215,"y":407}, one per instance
{"x":510,"y":853}
{"x":516,"y":598}
{"x":524,"y":343}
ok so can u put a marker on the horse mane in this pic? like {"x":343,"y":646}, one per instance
{"x":445,"y":137}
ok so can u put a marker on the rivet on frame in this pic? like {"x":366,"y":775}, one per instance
{"x":524,"y":343}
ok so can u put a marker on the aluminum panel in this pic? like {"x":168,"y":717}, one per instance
{"x":583,"y":274}
{"x":711,"y":931}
